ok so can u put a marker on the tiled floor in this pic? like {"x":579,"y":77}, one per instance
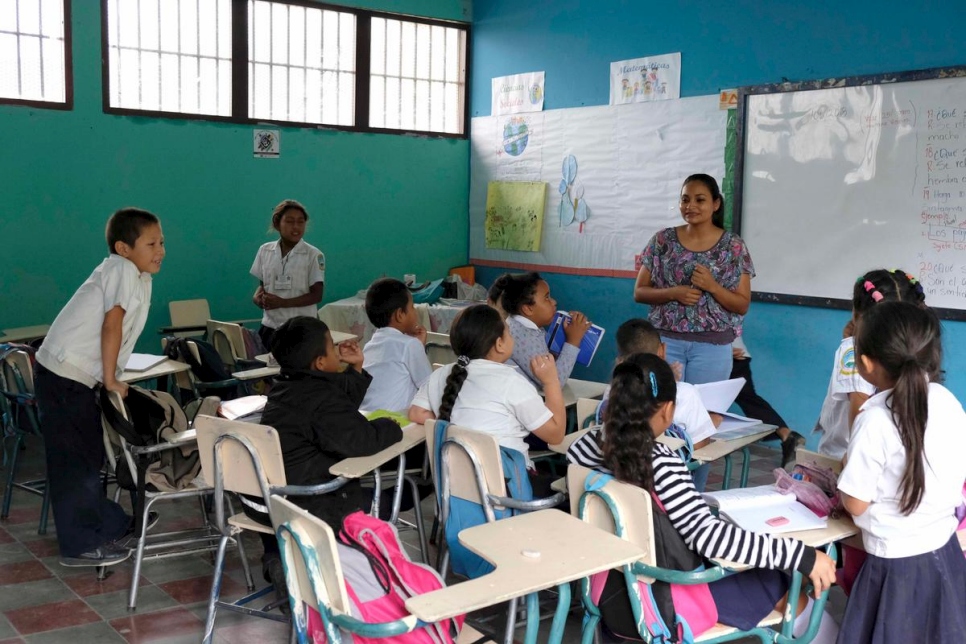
{"x":44,"y":602}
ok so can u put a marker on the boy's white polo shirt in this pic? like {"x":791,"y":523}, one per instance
{"x":689,"y":412}
{"x":874,"y":471}
{"x":72,"y":348}
{"x":833,"y":421}
{"x":495,"y":398}
{"x":398,"y":365}
{"x":288,"y":277}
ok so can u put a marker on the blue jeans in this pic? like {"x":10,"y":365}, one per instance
{"x":702,"y":361}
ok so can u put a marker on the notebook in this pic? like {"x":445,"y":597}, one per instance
{"x":719,"y":396}
{"x":764,"y":509}
{"x":588,"y":345}
{"x":734,"y":426}
{"x":143,"y":361}
{"x":239,"y":407}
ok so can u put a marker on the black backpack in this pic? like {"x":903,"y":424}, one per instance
{"x":209,"y":369}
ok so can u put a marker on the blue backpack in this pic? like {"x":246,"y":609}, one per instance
{"x":466,"y":514}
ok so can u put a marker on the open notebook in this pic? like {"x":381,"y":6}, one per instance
{"x":143,"y":361}
{"x":764,"y":509}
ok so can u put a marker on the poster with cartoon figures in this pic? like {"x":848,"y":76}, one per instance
{"x":641,"y":80}
{"x":517,"y":93}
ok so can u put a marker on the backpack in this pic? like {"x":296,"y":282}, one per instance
{"x":466,"y":514}
{"x":209,"y":368}
{"x":154,"y":417}
{"x":669,"y":612}
{"x":379,"y":578}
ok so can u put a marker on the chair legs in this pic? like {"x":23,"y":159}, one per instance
{"x":37,"y":486}
{"x":215,"y":590}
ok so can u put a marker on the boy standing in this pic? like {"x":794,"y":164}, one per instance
{"x":87,"y":346}
{"x":396,"y":353}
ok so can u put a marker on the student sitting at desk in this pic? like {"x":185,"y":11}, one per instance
{"x":396,"y":354}
{"x":481,"y":392}
{"x":641,"y":408}
{"x":315,"y":410}
{"x":639,"y":336}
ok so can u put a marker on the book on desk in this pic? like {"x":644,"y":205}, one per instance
{"x":764,"y":509}
{"x":556,"y":338}
{"x":139,"y":362}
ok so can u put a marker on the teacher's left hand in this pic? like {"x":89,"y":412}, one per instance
{"x":703,"y":279}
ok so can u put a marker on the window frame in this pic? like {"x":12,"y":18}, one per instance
{"x":68,"y":102}
{"x":240,"y":62}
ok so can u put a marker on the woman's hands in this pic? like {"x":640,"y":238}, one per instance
{"x":703,"y":279}
{"x":686,"y":295}
{"x":823,"y":573}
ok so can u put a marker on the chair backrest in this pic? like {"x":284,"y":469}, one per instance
{"x":189,"y":312}
{"x":18,"y":373}
{"x":438,"y":348}
{"x":632,"y":505}
{"x":313,"y":562}
{"x":114,"y":443}
{"x":228,"y":341}
{"x":586,"y":408}
{"x":458,"y":466}
{"x":238,"y":465}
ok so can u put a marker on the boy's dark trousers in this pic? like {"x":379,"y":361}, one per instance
{"x":70,"y":421}
{"x":751,"y":403}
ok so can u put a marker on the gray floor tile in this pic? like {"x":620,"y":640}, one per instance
{"x":96,"y":633}
{"x":14,"y":553}
{"x":7,"y":631}
{"x":176,"y":568}
{"x":111,"y":605}
{"x":33,"y":593}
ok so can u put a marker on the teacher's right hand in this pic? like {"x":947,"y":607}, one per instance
{"x":686,"y":295}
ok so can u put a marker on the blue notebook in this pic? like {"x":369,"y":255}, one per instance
{"x":588,"y":346}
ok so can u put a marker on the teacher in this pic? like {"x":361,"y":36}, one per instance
{"x":697,"y":279}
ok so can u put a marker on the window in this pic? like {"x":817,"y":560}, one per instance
{"x":287,"y":61}
{"x":417,"y":76}
{"x":170,"y":55}
{"x":301,"y":64}
{"x":35,"y":52}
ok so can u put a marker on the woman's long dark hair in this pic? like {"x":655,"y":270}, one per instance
{"x":640,"y":384}
{"x":905,"y":339}
{"x":513,"y":291}
{"x":474,"y":332}
{"x":717,"y":217}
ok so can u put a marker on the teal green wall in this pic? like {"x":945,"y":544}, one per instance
{"x":379,"y":204}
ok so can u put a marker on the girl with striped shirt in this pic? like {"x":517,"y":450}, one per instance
{"x":640,"y":408}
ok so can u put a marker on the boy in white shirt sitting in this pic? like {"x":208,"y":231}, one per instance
{"x":639,"y":336}
{"x":395,"y":356}
{"x":87,"y":347}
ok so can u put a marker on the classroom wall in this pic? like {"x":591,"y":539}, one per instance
{"x":722,"y":45}
{"x":378,"y":204}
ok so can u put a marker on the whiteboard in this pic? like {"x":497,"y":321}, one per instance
{"x":837,"y":181}
{"x":630,"y":162}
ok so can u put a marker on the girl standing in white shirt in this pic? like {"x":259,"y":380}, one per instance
{"x":481,"y":392}
{"x":902,"y":483}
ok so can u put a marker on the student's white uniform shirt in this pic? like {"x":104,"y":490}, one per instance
{"x":833,"y":423}
{"x":288,"y":277}
{"x":495,"y":398}
{"x":874,"y":471}
{"x":689,"y":412}
{"x":72,"y":348}
{"x":398,"y":365}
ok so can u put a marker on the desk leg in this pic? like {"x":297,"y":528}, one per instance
{"x":533,"y":619}
{"x":726,"y":483}
{"x":376,"y":491}
{"x":397,"y":495}
{"x":560,"y":616}
{"x":745,"y":466}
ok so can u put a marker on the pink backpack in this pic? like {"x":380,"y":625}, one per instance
{"x":379,"y":591}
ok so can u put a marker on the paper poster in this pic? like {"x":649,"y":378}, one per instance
{"x":514,"y":214}
{"x":517,"y":93}
{"x":267,"y":144}
{"x":728,"y":99}
{"x":641,"y":80}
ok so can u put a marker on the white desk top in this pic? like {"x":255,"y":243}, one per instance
{"x":354,"y":468}
{"x":836,"y":530}
{"x":575,"y":389}
{"x":717,"y":449}
{"x":568,"y":549}
{"x":24,"y":333}
{"x":166,"y":368}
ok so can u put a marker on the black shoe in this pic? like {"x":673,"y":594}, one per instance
{"x":130,"y":540}
{"x":792,"y":442}
{"x":276,"y":573}
{"x":107,"y":555}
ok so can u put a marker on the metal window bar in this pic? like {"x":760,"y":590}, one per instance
{"x":19,"y":49}
{"x":40,"y":43}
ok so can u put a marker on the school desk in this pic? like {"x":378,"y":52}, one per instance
{"x":24,"y":333}
{"x":349,"y":314}
{"x":718,"y":448}
{"x":531,"y":552}
{"x":160,"y":371}
{"x":574,"y":389}
{"x":189,"y":328}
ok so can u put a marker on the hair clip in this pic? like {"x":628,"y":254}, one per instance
{"x":463,"y":361}
{"x":653,"y":384}
{"x":871,"y":290}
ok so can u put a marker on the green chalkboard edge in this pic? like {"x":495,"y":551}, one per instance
{"x":958,"y":71}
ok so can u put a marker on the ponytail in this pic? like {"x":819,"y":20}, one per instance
{"x":640,"y":385}
{"x":474,"y":332}
{"x":905,"y":340}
